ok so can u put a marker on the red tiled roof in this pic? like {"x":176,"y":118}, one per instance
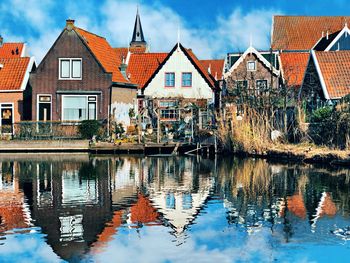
{"x":199,"y":66}
{"x":303,"y":32}
{"x":121,"y":52}
{"x":216,"y":67}
{"x":141,"y":67}
{"x":294,"y":65}
{"x":138,"y":50}
{"x":104,"y":53}
{"x":12,"y":73}
{"x":335,"y":69}
{"x":11,"y":50}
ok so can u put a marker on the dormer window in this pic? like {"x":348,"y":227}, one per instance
{"x":70,"y":68}
{"x":251,"y":66}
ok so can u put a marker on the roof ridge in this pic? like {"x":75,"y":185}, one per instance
{"x":90,"y":32}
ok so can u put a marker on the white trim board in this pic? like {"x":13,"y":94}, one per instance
{"x":319,"y":72}
{"x":250,"y":50}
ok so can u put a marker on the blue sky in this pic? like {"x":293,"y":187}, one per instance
{"x":210,"y":28}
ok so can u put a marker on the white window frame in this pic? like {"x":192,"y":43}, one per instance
{"x":256,"y":84}
{"x":70,"y":68}
{"x":249,"y":62}
{"x":13,"y":114}
{"x":38,"y":102}
{"x":87,"y":106}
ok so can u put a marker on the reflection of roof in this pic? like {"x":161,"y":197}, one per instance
{"x":296,"y":205}
{"x":216,"y":67}
{"x":185,"y":205}
{"x":143,"y":211}
{"x":335,"y":70}
{"x":13,"y":72}
{"x":104,"y":53}
{"x":294,"y":66}
{"x":11,"y":50}
{"x":12,"y":214}
{"x":108,"y":232}
{"x":303,"y":32}
{"x":325,"y":207}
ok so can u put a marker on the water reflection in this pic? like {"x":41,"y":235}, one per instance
{"x":81,"y":205}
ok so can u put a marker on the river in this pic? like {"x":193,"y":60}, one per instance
{"x":83,"y":208}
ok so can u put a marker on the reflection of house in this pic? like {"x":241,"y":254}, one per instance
{"x":179,"y":195}
{"x":15,"y":66}
{"x":79,"y":78}
{"x":70,"y":203}
{"x":326,"y":207}
{"x":13,"y":210}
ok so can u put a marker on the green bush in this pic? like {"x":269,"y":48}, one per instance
{"x":89,"y":128}
{"x":322,"y":126}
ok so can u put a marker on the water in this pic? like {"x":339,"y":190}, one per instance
{"x":80,"y":208}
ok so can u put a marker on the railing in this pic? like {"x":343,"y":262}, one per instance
{"x":28,"y":130}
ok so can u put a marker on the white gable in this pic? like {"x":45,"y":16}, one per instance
{"x":179,"y":63}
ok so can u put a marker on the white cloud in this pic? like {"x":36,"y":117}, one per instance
{"x":115,"y":20}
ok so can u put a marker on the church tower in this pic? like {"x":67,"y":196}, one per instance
{"x":138,"y":40}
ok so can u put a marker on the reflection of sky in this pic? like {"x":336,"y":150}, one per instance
{"x":26,"y":247}
{"x":211,"y":239}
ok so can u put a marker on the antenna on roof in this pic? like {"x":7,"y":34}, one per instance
{"x":251,"y":40}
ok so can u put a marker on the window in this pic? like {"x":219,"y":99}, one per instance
{"x":70,"y":68}
{"x":261,"y":85}
{"x":169,"y":79}
{"x":78,"y":108}
{"x":187,"y":79}
{"x":168,"y":110}
{"x":241,"y":84}
{"x":251,"y":66}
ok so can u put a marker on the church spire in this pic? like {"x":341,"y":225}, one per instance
{"x":137,"y":37}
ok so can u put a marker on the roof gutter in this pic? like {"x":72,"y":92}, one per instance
{"x":122,"y":84}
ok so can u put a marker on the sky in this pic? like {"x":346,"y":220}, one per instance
{"x":210,"y":28}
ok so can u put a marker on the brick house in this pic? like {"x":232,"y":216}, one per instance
{"x":250,"y":73}
{"x":79,"y":79}
{"x":15,"y":66}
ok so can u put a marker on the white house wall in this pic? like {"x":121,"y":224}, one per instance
{"x":179,"y":63}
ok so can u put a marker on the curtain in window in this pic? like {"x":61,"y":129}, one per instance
{"x":74,"y":108}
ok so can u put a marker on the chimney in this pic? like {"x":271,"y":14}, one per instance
{"x":327,"y":34}
{"x":1,"y":40}
{"x":70,"y":24}
{"x":123,"y":66}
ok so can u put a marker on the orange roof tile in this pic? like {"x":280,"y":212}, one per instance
{"x":303,"y":32}
{"x":122,"y":52}
{"x":138,"y":50}
{"x":11,"y":50}
{"x":141,"y":67}
{"x":12,"y":73}
{"x":335,"y":69}
{"x":104,"y":53}
{"x":216,"y":67}
{"x":294,"y":65}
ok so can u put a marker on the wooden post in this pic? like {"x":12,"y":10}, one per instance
{"x":139,"y":127}
{"x":158,"y":125}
